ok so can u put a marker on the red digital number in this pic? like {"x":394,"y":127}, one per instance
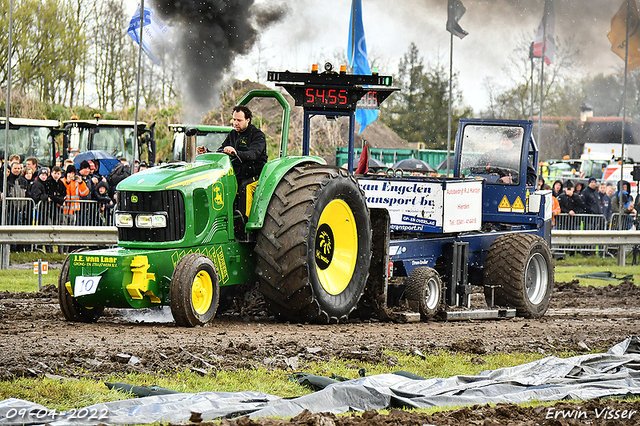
{"x":318,"y":96}
{"x":310,"y":97}
{"x":342,"y":97}
{"x":331,"y":97}
{"x":373,"y":98}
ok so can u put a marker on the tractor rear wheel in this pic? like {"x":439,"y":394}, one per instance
{"x":195,"y":290}
{"x":423,"y":285}
{"x":70,"y":308}
{"x":314,"y":250}
{"x":519,"y":267}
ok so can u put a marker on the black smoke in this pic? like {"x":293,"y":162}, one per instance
{"x":209,"y":35}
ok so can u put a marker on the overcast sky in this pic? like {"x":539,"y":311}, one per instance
{"x":314,"y":28}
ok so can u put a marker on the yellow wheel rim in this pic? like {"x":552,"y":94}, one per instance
{"x":202,"y":292}
{"x":336,"y":247}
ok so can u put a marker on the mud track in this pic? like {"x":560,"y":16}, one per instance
{"x":35,"y":341}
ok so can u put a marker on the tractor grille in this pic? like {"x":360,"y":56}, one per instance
{"x":170,"y":202}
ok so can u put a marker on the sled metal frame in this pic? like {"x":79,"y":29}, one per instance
{"x":479,"y":314}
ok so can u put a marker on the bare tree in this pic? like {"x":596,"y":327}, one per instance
{"x":511,"y":98}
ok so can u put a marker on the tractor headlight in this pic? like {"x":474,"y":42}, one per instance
{"x":151,"y":221}
{"x":124,"y":220}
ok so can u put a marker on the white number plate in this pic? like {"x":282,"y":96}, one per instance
{"x":86,"y":285}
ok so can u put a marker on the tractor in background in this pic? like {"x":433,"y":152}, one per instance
{"x":187,"y":138}
{"x":116,"y":137}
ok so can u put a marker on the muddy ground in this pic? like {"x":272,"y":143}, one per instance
{"x":36,"y":341}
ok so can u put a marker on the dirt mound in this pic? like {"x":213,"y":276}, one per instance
{"x":45,"y":292}
{"x":572,"y":294}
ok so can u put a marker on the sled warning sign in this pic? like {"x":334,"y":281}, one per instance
{"x":504,"y":205}
{"x":517,"y":206}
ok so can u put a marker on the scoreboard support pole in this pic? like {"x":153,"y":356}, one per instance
{"x":306,"y":134}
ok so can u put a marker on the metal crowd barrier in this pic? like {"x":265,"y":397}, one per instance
{"x":589,"y":222}
{"x":593,"y":222}
{"x":627,"y":222}
{"x":24,"y":211}
{"x":20,"y":211}
{"x":89,"y":213}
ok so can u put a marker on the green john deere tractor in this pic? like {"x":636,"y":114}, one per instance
{"x":307,"y":240}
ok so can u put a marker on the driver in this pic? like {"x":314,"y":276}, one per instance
{"x":505,"y":158}
{"x":247,"y":147}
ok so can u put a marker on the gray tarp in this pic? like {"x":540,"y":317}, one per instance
{"x":581,"y":377}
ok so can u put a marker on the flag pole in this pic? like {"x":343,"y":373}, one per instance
{"x":621,"y":259}
{"x":135,"y":119}
{"x":544,"y":52}
{"x":531,"y":58}
{"x":450,"y":95}
{"x":4,"y":253}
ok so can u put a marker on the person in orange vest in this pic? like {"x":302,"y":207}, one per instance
{"x":76,"y":188}
{"x":555,"y":206}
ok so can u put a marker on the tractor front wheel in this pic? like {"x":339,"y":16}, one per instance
{"x":195,"y":290}
{"x":69,"y":306}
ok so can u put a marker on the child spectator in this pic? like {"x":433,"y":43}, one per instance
{"x":40,"y":195}
{"x":29,"y":176}
{"x":105,"y":203}
{"x":68,"y":162}
{"x":39,"y":191}
{"x":57,"y":191}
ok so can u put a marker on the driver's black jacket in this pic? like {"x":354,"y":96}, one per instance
{"x":509,"y":159}
{"x":251,"y":149}
{"x":506,"y":161}
{"x":509,"y":162}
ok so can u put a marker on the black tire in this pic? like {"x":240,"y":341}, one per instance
{"x":70,"y":308}
{"x":195,"y":290}
{"x":521,"y":267}
{"x":318,"y":214}
{"x":424,"y":286}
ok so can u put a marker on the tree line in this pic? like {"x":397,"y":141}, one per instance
{"x":77,"y":52}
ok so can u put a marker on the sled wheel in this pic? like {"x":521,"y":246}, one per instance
{"x":314,"y":250}
{"x":521,"y":269}
{"x":70,"y":308}
{"x":423,"y":285}
{"x":195,"y":290}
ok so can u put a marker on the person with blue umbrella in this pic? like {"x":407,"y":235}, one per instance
{"x":103,"y":161}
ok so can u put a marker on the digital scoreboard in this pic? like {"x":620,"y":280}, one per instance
{"x":330,"y":91}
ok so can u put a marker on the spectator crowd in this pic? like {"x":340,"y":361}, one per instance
{"x":598,"y":199}
{"x":58,"y":193}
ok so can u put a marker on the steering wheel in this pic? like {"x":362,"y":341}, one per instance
{"x":493,"y":170}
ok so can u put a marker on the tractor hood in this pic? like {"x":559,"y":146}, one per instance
{"x":178,"y":204}
{"x":181,"y":176}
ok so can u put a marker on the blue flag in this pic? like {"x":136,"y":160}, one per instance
{"x":357,"y":53}
{"x":154,"y":32}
